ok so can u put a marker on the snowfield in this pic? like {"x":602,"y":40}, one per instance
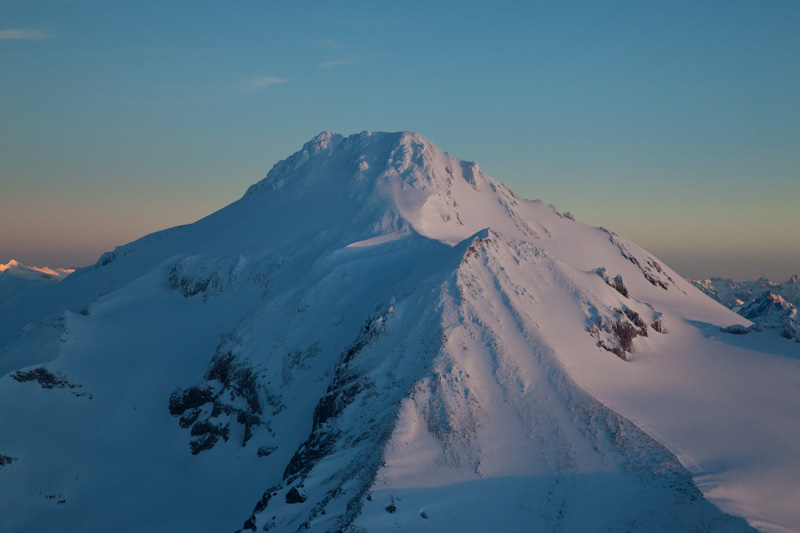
{"x":378,"y":336}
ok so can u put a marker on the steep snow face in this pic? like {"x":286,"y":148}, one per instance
{"x":499,"y":437}
{"x":399,"y":181}
{"x":376,"y":336}
{"x":51,"y":275}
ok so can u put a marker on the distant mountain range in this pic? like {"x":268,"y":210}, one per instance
{"x":767,"y":304}
{"x":50,"y":275}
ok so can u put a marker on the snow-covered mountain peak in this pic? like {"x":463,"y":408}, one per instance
{"x":395,"y":183}
{"x":52,"y":275}
{"x":366,"y":154}
{"x":379,"y":336}
{"x":769,"y":305}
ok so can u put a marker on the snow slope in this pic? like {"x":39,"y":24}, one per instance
{"x":379,"y":336}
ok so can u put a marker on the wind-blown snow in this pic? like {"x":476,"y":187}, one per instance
{"x":378,"y":335}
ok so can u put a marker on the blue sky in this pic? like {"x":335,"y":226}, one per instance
{"x":675,"y":124}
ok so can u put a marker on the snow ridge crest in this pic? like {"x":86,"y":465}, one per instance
{"x":402,"y":177}
{"x":377,"y":151}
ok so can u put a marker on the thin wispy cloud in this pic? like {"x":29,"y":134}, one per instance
{"x":330,"y":43}
{"x":25,"y":34}
{"x":142,"y":102}
{"x":260,"y":82}
{"x":337,"y":63}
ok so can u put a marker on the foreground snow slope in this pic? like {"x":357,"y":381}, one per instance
{"x":377,"y":335}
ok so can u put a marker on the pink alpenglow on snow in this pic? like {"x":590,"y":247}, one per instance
{"x":380,"y":336}
{"x":52,"y":275}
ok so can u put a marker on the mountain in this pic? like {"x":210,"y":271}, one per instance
{"x":735,"y":294}
{"x":769,"y":305}
{"x":51,"y":275}
{"x":378,"y":336}
{"x":772,"y":311}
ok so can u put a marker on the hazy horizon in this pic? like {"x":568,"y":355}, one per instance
{"x":691,"y":266}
